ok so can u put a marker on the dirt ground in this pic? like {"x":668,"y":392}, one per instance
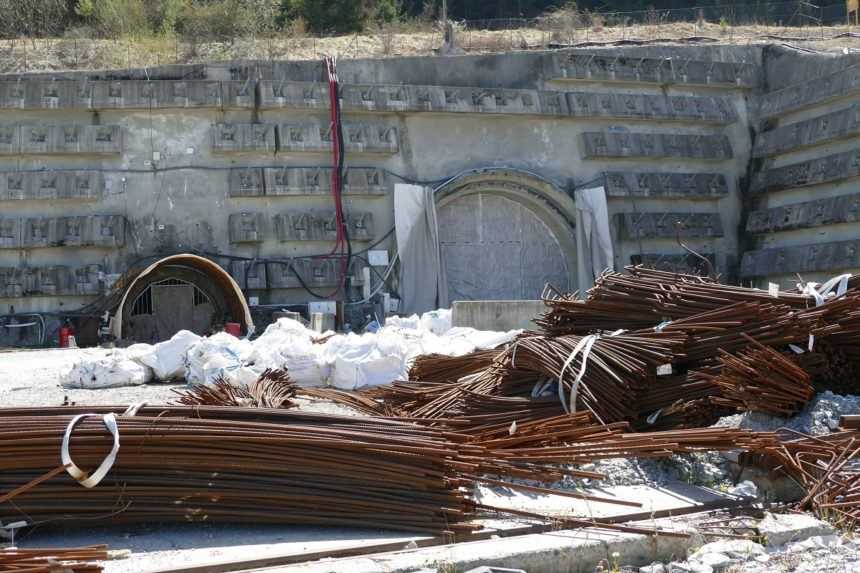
{"x":27,"y":55}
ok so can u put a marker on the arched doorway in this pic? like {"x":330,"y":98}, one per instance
{"x":181,"y":292}
{"x":504,"y":235}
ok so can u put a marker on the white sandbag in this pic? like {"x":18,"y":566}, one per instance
{"x":167,"y":359}
{"x":218,"y":355}
{"x":482,"y":339}
{"x":408,"y":322}
{"x":436,"y":321}
{"x":367,"y":360}
{"x":289,"y":344}
{"x":220,"y":366}
{"x":110,"y":371}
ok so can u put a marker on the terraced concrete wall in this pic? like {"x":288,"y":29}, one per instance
{"x":805,"y":204}
{"x":99,"y":171}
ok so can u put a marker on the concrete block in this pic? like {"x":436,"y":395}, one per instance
{"x":831,"y":211}
{"x":249,"y":274}
{"x":609,"y":68}
{"x":314,"y":272}
{"x":614,"y":144}
{"x":106,"y":230}
{"x":828,"y":169}
{"x":10,"y":233}
{"x":84,"y":185}
{"x":280,"y":93}
{"x":17,"y":187}
{"x":554,"y":103}
{"x":51,"y":185}
{"x":501,"y":315}
{"x":16,"y":282}
{"x":816,"y":91}
{"x":72,"y":231}
{"x":87,"y":280}
{"x":706,"y":109}
{"x":13,"y":94}
{"x":674,"y":263}
{"x":317,"y":181}
{"x":321,"y":226}
{"x":247,"y":182}
{"x":70,"y":139}
{"x":358,"y":138}
{"x":75,"y":231}
{"x":247,"y":227}
{"x":822,"y":129}
{"x":39,"y":232}
{"x":13,"y":281}
{"x":243,"y":137}
{"x":298,"y":181}
{"x":663,"y":225}
{"x":681,"y":185}
{"x":779,"y":529}
{"x":10,"y":139}
{"x":365,"y":181}
{"x":805,"y":258}
{"x":159,"y":94}
{"x":238,"y":94}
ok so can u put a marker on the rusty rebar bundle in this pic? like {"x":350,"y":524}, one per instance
{"x":273,"y":389}
{"x":760,"y":379}
{"x":64,"y":560}
{"x":240,"y":465}
{"x":644,"y":298}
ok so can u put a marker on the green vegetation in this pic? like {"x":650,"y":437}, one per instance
{"x":202,"y":20}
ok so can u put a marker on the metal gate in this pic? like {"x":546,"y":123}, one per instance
{"x":495,"y":248}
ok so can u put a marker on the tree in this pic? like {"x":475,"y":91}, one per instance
{"x":32,"y":18}
{"x":340,"y":16}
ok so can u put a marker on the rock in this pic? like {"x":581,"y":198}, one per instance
{"x":779,"y":529}
{"x":734,"y":548}
{"x":653,"y":568}
{"x":744,"y":489}
{"x":690,"y":567}
{"x":717,"y":561}
{"x":822,"y":543}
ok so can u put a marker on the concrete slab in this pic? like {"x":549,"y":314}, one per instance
{"x":674,"y":495}
{"x":501,"y":315}
{"x":160,"y":546}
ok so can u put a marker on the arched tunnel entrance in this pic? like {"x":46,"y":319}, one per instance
{"x":504,"y":235}
{"x":181,"y":292}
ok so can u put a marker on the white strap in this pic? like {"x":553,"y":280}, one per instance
{"x":81,"y":476}
{"x":584,"y":345}
{"x":824,"y":292}
{"x":134,"y":409}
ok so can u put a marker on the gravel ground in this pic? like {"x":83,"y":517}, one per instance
{"x":820,"y":554}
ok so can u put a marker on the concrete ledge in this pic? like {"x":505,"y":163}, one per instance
{"x":496,"y":314}
{"x":561,"y":551}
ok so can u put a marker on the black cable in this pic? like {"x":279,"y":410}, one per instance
{"x":341,"y":156}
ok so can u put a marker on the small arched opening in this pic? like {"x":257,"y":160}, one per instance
{"x":182,"y":292}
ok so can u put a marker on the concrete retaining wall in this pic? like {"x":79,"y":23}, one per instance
{"x":100,"y":170}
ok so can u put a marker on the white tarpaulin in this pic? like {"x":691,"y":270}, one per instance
{"x":594,"y":252}
{"x":423,"y":285}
